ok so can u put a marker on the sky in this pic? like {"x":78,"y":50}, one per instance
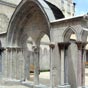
{"x":81,"y":7}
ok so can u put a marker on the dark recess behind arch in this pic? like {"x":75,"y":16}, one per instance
{"x":56,"y":11}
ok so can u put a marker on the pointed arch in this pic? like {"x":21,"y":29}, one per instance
{"x":24,"y":13}
{"x":68,"y":32}
{"x":84,"y":35}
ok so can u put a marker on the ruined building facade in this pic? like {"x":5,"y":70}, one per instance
{"x":21,"y":36}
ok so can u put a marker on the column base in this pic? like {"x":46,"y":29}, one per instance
{"x":40,"y":86}
{"x":64,"y":86}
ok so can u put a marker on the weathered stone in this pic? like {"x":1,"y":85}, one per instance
{"x":35,"y":18}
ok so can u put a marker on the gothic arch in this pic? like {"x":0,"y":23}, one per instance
{"x":67,"y":33}
{"x":24,"y":13}
{"x":84,"y":35}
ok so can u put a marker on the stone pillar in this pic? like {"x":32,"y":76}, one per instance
{"x":2,"y":62}
{"x":5,"y":64}
{"x":62,"y":47}
{"x":14,"y":57}
{"x":10,"y":62}
{"x":36,"y":65}
{"x":84,"y":58}
{"x":66,"y":66}
{"x":27,"y":65}
{"x":52,"y":67}
{"x":80,"y":68}
{"x":18,"y":66}
{"x":21,"y":65}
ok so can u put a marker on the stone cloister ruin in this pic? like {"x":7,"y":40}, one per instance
{"x":30,"y":22}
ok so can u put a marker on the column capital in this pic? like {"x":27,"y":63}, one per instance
{"x":52,"y":45}
{"x":35,"y":48}
{"x":63,"y":44}
{"x":2,"y":49}
{"x":81,"y":45}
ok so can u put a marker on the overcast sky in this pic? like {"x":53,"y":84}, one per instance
{"x":81,"y":7}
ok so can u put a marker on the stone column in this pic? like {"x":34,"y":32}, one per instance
{"x":9,"y":64}
{"x":80,"y":71}
{"x":5,"y":64}
{"x":18,"y":66}
{"x":21,"y":65}
{"x":66,"y":66}
{"x":52,"y":67}
{"x":84,"y":58}
{"x":36,"y":65}
{"x":27,"y":65}
{"x":2,"y":62}
{"x":62,"y":47}
{"x":14,"y":56}
{"x":10,"y":61}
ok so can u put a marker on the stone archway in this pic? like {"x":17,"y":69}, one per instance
{"x":71,"y":56}
{"x":68,"y":33}
{"x":31,"y":19}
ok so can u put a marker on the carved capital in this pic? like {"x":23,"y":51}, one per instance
{"x":52,"y":45}
{"x":2,"y":49}
{"x":81,"y":45}
{"x":35,"y":49}
{"x":63,"y":45}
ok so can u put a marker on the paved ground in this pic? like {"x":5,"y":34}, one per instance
{"x":44,"y":79}
{"x":14,"y":86}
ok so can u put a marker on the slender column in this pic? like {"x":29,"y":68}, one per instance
{"x":66,"y":66}
{"x":62,"y":67}
{"x":62,"y":47}
{"x":84,"y":58}
{"x":14,"y":63}
{"x":36,"y":65}
{"x":5,"y":64}
{"x":22,"y":65}
{"x":27,"y":66}
{"x":81,"y":68}
{"x":52,"y":76}
{"x":10,"y":56}
{"x":2,"y":62}
{"x":8,"y":64}
{"x":18,"y":64}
